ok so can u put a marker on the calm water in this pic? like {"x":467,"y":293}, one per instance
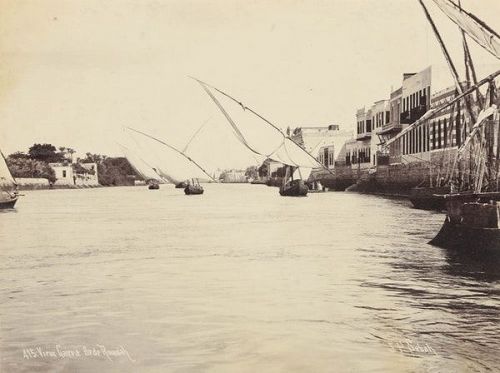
{"x":238,"y":280}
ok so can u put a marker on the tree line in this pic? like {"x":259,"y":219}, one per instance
{"x":36,"y":164}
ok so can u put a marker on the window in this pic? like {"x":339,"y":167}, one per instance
{"x":439,"y":134}
{"x":445,"y":132}
{"x":64,"y":173}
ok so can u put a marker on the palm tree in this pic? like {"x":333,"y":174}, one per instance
{"x":71,"y":152}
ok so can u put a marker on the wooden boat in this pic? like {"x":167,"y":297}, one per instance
{"x":294,"y":188}
{"x":426,"y":198}
{"x":472,"y":223}
{"x":181,"y":185}
{"x":193,"y":187}
{"x":473,"y":175}
{"x":154,"y":186}
{"x":8,"y":186}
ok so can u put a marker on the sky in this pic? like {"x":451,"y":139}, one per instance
{"x":73,"y":73}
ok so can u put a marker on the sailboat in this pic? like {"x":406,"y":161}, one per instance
{"x":181,"y":167}
{"x":142,"y":168}
{"x":264,"y":138}
{"x":473,"y":213}
{"x":8,"y":186}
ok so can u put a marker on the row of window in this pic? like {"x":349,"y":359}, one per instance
{"x":361,"y":155}
{"x":364,"y":126}
{"x":416,"y":99}
{"x":436,"y":134}
{"x":326,"y":158}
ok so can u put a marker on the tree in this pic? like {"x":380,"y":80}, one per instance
{"x":27,"y":167}
{"x":71,"y":151}
{"x":93,"y":158}
{"x":19,"y":155}
{"x":252,"y":172}
{"x":45,"y":153}
{"x":115,"y":171}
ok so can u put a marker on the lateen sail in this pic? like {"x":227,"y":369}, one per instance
{"x":475,"y":28}
{"x":7,"y":182}
{"x":144,"y":169}
{"x":169,"y":162}
{"x":258,"y":134}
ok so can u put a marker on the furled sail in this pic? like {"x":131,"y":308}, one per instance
{"x":169,"y":162}
{"x":7,"y":182}
{"x":258,"y":134}
{"x":474,"y":27}
{"x":143,"y":168}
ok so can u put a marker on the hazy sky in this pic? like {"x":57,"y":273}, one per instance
{"x":73,"y":72}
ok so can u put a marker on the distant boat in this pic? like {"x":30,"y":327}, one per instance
{"x":193,"y":187}
{"x":142,"y":168}
{"x":265,"y":139}
{"x":8,"y":186}
{"x":153,"y":185}
{"x":181,"y":167}
{"x":293,"y":187}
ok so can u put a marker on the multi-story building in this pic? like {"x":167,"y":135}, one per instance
{"x":323,"y":143}
{"x":441,"y":131}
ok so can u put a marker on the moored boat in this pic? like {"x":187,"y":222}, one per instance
{"x":426,"y":198}
{"x":472,"y":223}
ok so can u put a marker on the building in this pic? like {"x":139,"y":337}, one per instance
{"x":233,"y":176}
{"x":322,"y":142}
{"x":75,"y":174}
{"x":442,"y":131}
{"x":64,"y":173}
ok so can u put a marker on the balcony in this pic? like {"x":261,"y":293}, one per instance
{"x":390,"y":128}
{"x":410,"y":116}
{"x":363,"y":136}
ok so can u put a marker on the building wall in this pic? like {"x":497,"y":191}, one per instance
{"x":416,"y":96}
{"x":64,"y":174}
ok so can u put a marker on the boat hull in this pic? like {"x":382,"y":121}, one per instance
{"x":459,"y":236}
{"x":8,"y":204}
{"x":294,"y":189}
{"x":192,"y":190}
{"x":153,"y":187}
{"x":429,"y":198}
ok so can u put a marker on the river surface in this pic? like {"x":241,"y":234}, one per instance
{"x":238,"y":280}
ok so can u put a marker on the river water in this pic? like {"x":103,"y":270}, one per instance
{"x":238,"y":280}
